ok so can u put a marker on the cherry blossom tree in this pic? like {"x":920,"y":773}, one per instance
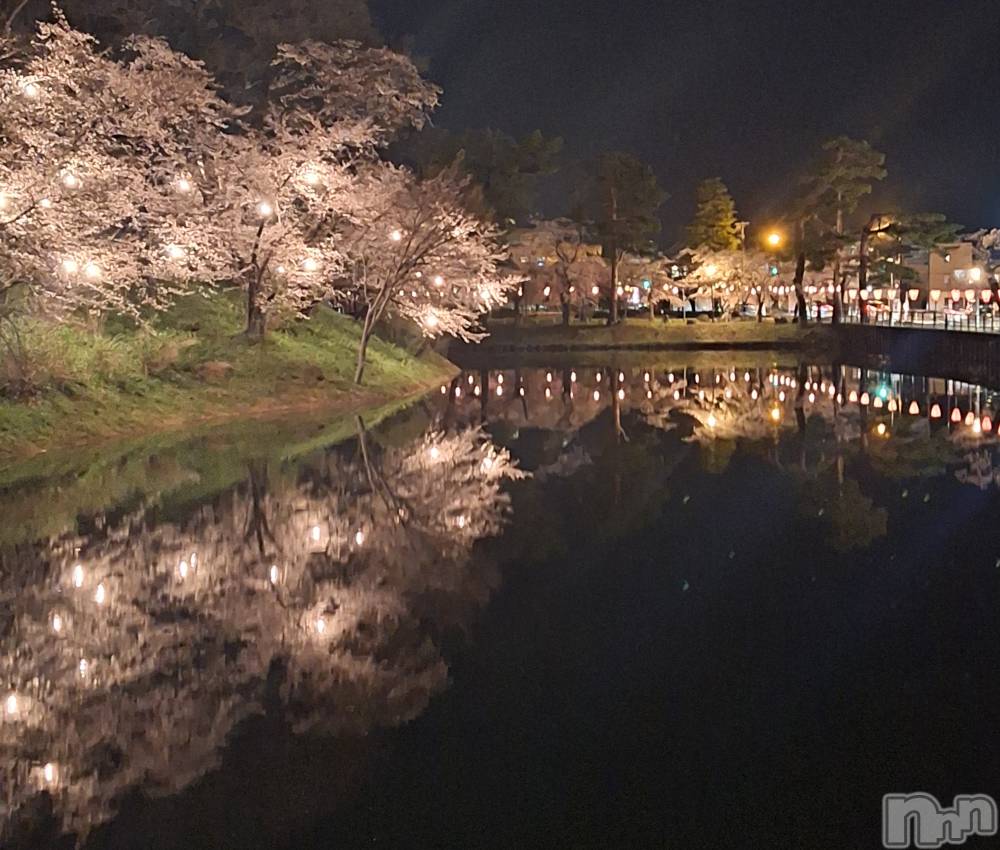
{"x":89,"y":143}
{"x":561,"y":266}
{"x":269,"y":211}
{"x":417,"y":251}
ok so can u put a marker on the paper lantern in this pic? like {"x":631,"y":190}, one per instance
{"x":970,"y":418}
{"x":853,"y":397}
{"x":956,"y":415}
{"x":936,"y":411}
{"x":914,"y":409}
{"x":865,"y":398}
{"x":935,"y":295}
{"x":987,"y":423}
{"x":970,"y":295}
{"x":914,"y":294}
{"x":956,"y":295}
{"x":985,"y":295}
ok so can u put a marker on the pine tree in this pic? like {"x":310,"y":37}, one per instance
{"x":715,"y":223}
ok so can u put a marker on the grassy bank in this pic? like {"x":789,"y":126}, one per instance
{"x":547,"y":334}
{"x":197,"y":369}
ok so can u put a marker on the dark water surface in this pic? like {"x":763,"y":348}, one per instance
{"x":682,"y":604}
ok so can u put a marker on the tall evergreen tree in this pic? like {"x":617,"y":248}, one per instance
{"x":622,"y":198}
{"x":715,"y":223}
{"x":848,"y":172}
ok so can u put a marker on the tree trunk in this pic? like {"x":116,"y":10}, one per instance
{"x":800,"y":294}
{"x":256,"y":323}
{"x":366,"y":333}
{"x":838,"y":296}
{"x":613,"y":306}
{"x":863,"y":271}
{"x":565,"y":308}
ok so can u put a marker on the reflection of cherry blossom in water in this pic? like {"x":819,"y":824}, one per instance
{"x":130,"y":651}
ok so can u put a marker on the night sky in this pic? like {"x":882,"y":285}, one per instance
{"x":742,"y":90}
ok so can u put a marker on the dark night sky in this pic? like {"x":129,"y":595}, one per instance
{"x":743,"y":90}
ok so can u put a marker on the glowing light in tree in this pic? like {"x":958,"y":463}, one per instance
{"x":265,"y":209}
{"x":396,"y":236}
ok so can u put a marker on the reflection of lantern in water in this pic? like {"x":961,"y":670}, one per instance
{"x":987,"y":424}
{"x":970,"y":418}
{"x":956,"y":415}
{"x":881,"y":430}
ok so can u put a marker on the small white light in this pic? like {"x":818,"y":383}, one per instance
{"x":182,"y":569}
{"x":315,"y":533}
{"x":184,"y":185}
{"x":273,"y":573}
{"x":311,"y":177}
{"x":320,"y":625}
{"x":11,"y":704}
{"x":49,"y":772}
{"x":396,"y":236}
{"x":92,"y":270}
{"x":359,"y":538}
{"x":265,"y":209}
{"x":70,"y":181}
{"x":434,"y":452}
{"x":30,"y":90}
{"x":460,"y":522}
{"x":45,"y":203}
{"x":100,"y":594}
{"x":175,"y":252}
{"x":310,"y":265}
{"x":70,"y":266}
{"x":597,"y":395}
{"x":438,"y":280}
{"x":83,"y":667}
{"x":57,"y":623}
{"x":78,"y":576}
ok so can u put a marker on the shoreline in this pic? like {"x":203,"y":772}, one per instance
{"x":334,"y":403}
